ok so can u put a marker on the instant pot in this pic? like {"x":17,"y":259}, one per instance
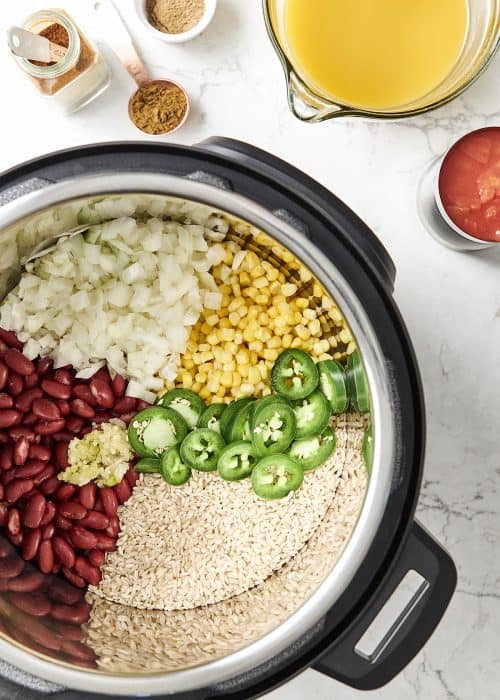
{"x":387,"y":542}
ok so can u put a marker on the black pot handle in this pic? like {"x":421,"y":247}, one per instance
{"x":415,"y":624}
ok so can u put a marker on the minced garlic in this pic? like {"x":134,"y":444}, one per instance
{"x":103,"y":456}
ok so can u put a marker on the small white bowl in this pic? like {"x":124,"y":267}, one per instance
{"x":210,"y":5}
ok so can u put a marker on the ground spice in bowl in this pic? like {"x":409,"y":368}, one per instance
{"x":175,"y":16}
{"x":158,"y":107}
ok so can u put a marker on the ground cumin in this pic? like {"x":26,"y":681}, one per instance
{"x":175,"y":16}
{"x":58,"y":35}
{"x":158,"y":107}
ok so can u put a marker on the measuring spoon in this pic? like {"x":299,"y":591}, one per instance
{"x":120,"y":41}
{"x":33,"y":46}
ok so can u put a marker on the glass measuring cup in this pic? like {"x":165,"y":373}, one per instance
{"x":481,"y":43}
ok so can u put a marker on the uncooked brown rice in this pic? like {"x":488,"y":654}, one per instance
{"x":131,"y":640}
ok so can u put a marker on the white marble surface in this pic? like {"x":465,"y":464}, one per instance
{"x":451,"y":302}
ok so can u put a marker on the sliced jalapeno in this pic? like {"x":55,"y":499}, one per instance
{"x":201,"y":449}
{"x":357,"y":383}
{"x":210,"y":418}
{"x":367,"y":448}
{"x":312,"y":414}
{"x":239,"y":427}
{"x":173,"y":469}
{"x":148,"y":465}
{"x":260,"y":403}
{"x":294,"y":374}
{"x":274,"y":428}
{"x":230,"y":411}
{"x":332,"y":382}
{"x":186,"y":402}
{"x":154,"y":430}
{"x":314,"y":451}
{"x":275,"y":476}
{"x":237,"y":460}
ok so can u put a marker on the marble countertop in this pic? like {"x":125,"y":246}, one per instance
{"x":450,"y":301}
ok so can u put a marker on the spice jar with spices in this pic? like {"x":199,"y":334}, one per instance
{"x":76,"y":79}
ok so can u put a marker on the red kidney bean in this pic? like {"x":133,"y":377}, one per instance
{"x":17,"y":488}
{"x":87,"y":496}
{"x":125,"y":405}
{"x":25,"y":400}
{"x":56,"y":568}
{"x":14,"y":522}
{"x":61,"y":454}
{"x":5,"y":548}
{"x":33,"y":513}
{"x":81,"y":408}
{"x":11,"y":566}
{"x":74,"y":423}
{"x":82,"y":538}
{"x":9,"y":417}
{"x":102,"y":417}
{"x":10,"y":338}
{"x":109,"y":501}
{"x":49,"y":427}
{"x":35,"y":604}
{"x":63,"y":407}
{"x":2,"y":492}
{"x":72,"y":510}
{"x":105,"y":542}
{"x":3,"y":347}
{"x":98,"y":506}
{"x":71,"y":632}
{"x":31,"y":470}
{"x":31,"y":545}
{"x":85,"y":569}
{"x":63,"y":523}
{"x":122,"y":491}
{"x":45,"y":557}
{"x":64,"y":376}
{"x":16,"y":540}
{"x":85,"y":431}
{"x":118,"y":385}
{"x":4,"y":513}
{"x":4,"y":439}
{"x":15,"y":385}
{"x":30,"y":419}
{"x":96,"y":557}
{"x":15,"y":360}
{"x":46,"y":409}
{"x":55,"y":389}
{"x":21,"y":451}
{"x":102,"y":393}
{"x":141,"y":405}
{"x":132,"y":476}
{"x":43,"y":365}
{"x":76,"y":614}
{"x":65,"y":492}
{"x":75,"y":580}
{"x":46,"y":474}
{"x":39,"y":633}
{"x":4,"y":375}
{"x":48,"y":514}
{"x":48,"y":531}
{"x":49,"y":486}
{"x":64,"y":436}
{"x":62,"y":592}
{"x":6,"y":401}
{"x":127,"y":417}
{"x":19,"y":431}
{"x":64,"y":552}
{"x":95,"y":520}
{"x":27,"y":582}
{"x":40,"y":453}
{"x":82,"y":391}
{"x":102,"y":375}
{"x":6,"y":457}
{"x":31,"y":381}
{"x":114,"y":527}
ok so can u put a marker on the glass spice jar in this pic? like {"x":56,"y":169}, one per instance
{"x":76,"y":79}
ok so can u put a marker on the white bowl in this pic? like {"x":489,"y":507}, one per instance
{"x":210,"y":5}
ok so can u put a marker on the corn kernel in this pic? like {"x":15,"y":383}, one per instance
{"x":302,"y":303}
{"x":289,"y":289}
{"x":270,"y":354}
{"x":227,"y":379}
{"x":303,"y":332}
{"x":321,"y":346}
{"x":234,"y":318}
{"x":274,"y":343}
{"x":242,"y":357}
{"x":254,"y":375}
{"x":262,"y":299}
{"x":315,"y":327}
{"x":286,"y":340}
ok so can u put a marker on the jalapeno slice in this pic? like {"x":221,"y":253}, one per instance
{"x":210,"y":418}
{"x":357,"y":383}
{"x":367,"y":448}
{"x":237,"y":460}
{"x":230,"y":411}
{"x":154,"y":430}
{"x":186,"y":402}
{"x":294,"y":374}
{"x":148,"y":465}
{"x":312,"y":414}
{"x":313,"y":452}
{"x":239,"y":427}
{"x":260,"y":403}
{"x":274,"y":428}
{"x":173,"y":469}
{"x":201,"y":449}
{"x":276,"y":476}
{"x":332,"y":382}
